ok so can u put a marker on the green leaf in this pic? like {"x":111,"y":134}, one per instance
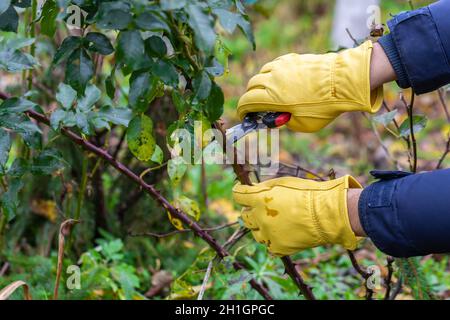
{"x":151,"y":22}
{"x":214,"y":104}
{"x":220,"y":4}
{"x":5,"y":147}
{"x":386,"y":118}
{"x":216,"y":69}
{"x":142,"y":90}
{"x":70,"y":119}
{"x":113,"y":15}
{"x":155,"y":46}
{"x":118,"y":116}
{"x":68,"y":46}
{"x":18,"y":168}
{"x":90,"y":98}
{"x":47,"y":162}
{"x":131,"y":49}
{"x":229,"y":20}
{"x":9,"y":20}
{"x":246,"y":29}
{"x":12,"y":59}
{"x":9,"y":201}
{"x":176,"y":168}
{"x":4,"y":5}
{"x":202,"y":85}
{"x":111,"y":249}
{"x":15,"y":105}
{"x":172,"y":4}
{"x":166,"y":72}
{"x":99,"y":123}
{"x":16,"y":61}
{"x":189,"y":206}
{"x":99,"y":43}
{"x":79,"y":70}
{"x":110,"y":84}
{"x":157,"y":155}
{"x":19,"y":123}
{"x":125,"y":275}
{"x":22,"y":125}
{"x":32,"y":139}
{"x":202,"y":24}
{"x":57,"y":117}
{"x":66,"y":96}
{"x":82,"y":123}
{"x":17,"y":43}
{"x":140,"y":137}
{"x":48,"y":18}
{"x":419,"y":123}
{"x":179,"y":102}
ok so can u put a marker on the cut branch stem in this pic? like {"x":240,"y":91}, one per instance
{"x":366,"y":275}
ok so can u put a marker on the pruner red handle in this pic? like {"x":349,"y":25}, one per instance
{"x":276,"y":119}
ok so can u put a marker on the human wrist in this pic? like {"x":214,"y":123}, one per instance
{"x":353,"y":214}
{"x":381,"y":70}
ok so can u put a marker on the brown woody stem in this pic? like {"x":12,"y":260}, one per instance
{"x":366,"y":275}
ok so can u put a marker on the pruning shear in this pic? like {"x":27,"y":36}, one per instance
{"x":255,"y":121}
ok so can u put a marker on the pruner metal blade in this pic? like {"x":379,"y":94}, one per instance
{"x":239,"y":131}
{"x":256,"y":121}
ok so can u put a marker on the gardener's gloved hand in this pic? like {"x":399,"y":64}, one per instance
{"x":315,"y":89}
{"x":291,"y":214}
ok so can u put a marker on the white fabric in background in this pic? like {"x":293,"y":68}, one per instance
{"x":354,"y":15}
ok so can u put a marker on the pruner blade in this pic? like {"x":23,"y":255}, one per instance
{"x":256,"y":121}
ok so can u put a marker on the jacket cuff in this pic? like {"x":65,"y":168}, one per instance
{"x":389,"y":47}
{"x":379,"y":216}
{"x":407,"y":214}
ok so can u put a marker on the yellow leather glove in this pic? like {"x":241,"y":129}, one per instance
{"x":315,"y":89}
{"x":291,"y":214}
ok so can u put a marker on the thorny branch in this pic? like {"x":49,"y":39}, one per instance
{"x":388,"y":280}
{"x":64,"y":230}
{"x":205,"y":281}
{"x":412,"y":137}
{"x":398,"y":288}
{"x":397,"y":126}
{"x":366,"y":275}
{"x":119,"y":145}
{"x":232,"y":240}
{"x":355,"y":42}
{"x":444,"y":155}
{"x":442,"y":99}
{"x":150,"y":189}
{"x":168,"y":234}
{"x":380,"y":141}
{"x":235,"y":237}
{"x":289,"y":265}
{"x":298,"y":169}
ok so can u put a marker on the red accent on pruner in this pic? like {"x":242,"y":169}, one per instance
{"x":282,"y":119}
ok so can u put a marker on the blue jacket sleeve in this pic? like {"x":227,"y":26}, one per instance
{"x":408,"y":214}
{"x":418,"y":47}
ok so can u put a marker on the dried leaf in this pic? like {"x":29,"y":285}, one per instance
{"x":7,"y":291}
{"x":64,"y":230}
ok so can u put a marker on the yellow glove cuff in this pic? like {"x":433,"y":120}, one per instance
{"x":330,"y":212}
